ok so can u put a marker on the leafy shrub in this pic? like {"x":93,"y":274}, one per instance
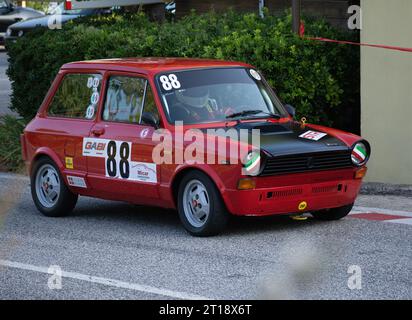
{"x":320,"y":79}
{"x":10,"y":150}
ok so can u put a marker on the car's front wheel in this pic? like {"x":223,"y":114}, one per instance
{"x":201,"y":208}
{"x":49,"y":192}
{"x":333,"y":214}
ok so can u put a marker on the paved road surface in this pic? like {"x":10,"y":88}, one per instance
{"x":115,"y":250}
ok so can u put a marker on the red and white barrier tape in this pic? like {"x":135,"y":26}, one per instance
{"x":302,"y":35}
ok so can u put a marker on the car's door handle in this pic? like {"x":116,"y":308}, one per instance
{"x":98,"y":132}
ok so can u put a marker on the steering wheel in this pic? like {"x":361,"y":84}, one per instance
{"x":183,"y":108}
{"x":181,"y":112}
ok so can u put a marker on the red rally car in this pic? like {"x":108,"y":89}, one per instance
{"x":113,"y":129}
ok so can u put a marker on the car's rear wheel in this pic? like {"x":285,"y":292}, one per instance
{"x":49,"y":192}
{"x":201,"y":208}
{"x":333,"y":214}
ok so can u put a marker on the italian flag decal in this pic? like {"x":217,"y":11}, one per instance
{"x":359,"y":153}
{"x":253,"y":163}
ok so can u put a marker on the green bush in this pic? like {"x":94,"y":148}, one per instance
{"x":10,"y":150}
{"x":320,"y":79}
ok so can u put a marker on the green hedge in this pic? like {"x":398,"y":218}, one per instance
{"x":321,"y":80}
{"x":10,"y":151}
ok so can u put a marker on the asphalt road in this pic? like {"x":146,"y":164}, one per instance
{"x":110,"y":250}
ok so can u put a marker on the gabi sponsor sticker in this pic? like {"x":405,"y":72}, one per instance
{"x":313,"y":135}
{"x":76,"y":182}
{"x":95,"y":147}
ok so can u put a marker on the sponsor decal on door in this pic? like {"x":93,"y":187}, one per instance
{"x":144,"y":172}
{"x":95,"y":147}
{"x":76,"y":182}
{"x":118,"y":163}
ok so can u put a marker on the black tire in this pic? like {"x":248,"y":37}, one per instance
{"x":218,"y":216}
{"x":66,"y":200}
{"x":333,"y":214}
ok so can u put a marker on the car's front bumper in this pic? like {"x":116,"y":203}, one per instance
{"x":289,"y":194}
{"x":9,"y":39}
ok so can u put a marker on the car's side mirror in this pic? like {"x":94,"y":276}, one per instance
{"x":150,"y":119}
{"x":291,"y":110}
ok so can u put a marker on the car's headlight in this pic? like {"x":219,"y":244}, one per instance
{"x":8,"y":32}
{"x":21,"y":33}
{"x":252,"y":163}
{"x":360,"y":153}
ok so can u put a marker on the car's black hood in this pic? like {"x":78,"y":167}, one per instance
{"x":280,"y":139}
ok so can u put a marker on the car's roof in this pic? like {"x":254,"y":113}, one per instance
{"x":151,"y":65}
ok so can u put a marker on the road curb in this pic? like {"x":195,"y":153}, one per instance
{"x":13,"y":176}
{"x":385,"y":189}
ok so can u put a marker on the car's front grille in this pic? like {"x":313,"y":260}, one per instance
{"x":307,"y":163}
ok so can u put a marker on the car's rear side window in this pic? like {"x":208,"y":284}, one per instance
{"x":77,"y":96}
{"x":125,"y":99}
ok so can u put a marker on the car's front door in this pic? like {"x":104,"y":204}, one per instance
{"x":120,"y":145}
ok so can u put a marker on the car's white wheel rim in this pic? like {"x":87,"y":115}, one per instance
{"x":196,"y":203}
{"x":47,"y":186}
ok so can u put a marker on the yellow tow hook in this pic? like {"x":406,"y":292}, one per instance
{"x":298,"y":217}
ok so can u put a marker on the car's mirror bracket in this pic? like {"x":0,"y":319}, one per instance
{"x":291,"y":110}
{"x":150,"y":119}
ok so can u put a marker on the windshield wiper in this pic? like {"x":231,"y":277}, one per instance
{"x":251,"y":113}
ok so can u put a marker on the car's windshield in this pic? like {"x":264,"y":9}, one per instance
{"x":213,"y":95}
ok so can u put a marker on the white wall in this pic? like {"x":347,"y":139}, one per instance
{"x":386,"y":84}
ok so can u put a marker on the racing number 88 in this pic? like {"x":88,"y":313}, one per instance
{"x":124,"y":160}
{"x":170,"y":82}
{"x":124,"y":165}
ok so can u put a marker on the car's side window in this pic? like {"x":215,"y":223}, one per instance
{"x":77,"y":96}
{"x":124,"y":99}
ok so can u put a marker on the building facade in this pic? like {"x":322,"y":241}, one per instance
{"x":386,"y":86}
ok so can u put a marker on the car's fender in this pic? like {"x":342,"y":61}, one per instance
{"x":348,"y":138}
{"x":45,"y":151}
{"x":217,"y":179}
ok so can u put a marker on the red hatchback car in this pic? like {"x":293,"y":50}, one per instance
{"x":136,"y":130}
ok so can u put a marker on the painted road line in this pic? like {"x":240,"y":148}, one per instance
{"x":377,"y":216}
{"x":106,"y":281}
{"x":381,"y":211}
{"x":402,"y":221}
